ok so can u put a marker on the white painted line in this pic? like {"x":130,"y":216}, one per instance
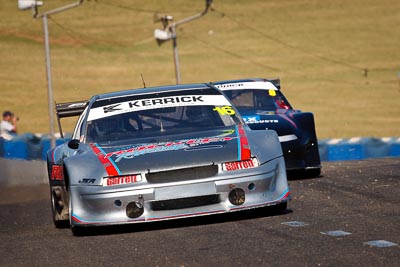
{"x":336,"y":233}
{"x":380,"y":243}
{"x":295,"y":224}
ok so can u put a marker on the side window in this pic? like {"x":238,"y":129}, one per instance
{"x":78,"y":128}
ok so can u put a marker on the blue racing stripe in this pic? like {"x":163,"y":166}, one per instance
{"x":110,"y":159}
{"x":238,"y":142}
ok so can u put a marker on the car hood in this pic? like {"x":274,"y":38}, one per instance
{"x":174,"y":152}
{"x":282,"y":121}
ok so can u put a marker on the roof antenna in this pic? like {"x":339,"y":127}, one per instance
{"x":161,"y":125}
{"x":144,"y":83}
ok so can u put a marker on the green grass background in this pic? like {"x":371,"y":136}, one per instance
{"x":319,"y":49}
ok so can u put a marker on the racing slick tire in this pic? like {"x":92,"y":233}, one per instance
{"x":313,"y":173}
{"x":56,"y":211}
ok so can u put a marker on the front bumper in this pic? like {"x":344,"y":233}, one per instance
{"x":263,"y":186}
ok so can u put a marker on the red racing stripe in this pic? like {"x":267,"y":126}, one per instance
{"x":245,"y":153}
{"x":111,"y":170}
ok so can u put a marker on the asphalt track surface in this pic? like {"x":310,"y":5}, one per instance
{"x":360,"y":198}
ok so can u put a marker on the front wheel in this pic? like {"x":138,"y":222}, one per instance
{"x":58,"y":209}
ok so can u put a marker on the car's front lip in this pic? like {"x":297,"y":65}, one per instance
{"x":284,"y":197}
{"x":270,"y":188}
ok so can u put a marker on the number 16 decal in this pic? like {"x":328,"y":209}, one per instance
{"x":226,"y":110}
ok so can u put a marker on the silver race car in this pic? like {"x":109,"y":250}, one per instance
{"x":161,"y":153}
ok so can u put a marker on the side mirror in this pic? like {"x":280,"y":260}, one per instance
{"x":74,"y":144}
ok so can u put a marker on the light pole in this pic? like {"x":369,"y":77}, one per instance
{"x":33,"y":4}
{"x":169,"y":32}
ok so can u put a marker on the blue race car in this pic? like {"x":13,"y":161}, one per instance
{"x":264,"y":107}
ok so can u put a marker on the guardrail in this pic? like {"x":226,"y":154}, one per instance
{"x":27,"y":147}
{"x":33,"y":147}
{"x":358,"y":148}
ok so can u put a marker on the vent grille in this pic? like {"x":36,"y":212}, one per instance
{"x":185,"y":203}
{"x":182,"y":174}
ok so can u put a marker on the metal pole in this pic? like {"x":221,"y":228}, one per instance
{"x":176,"y":58}
{"x":172,"y":29}
{"x":49,"y":81}
{"x":48,"y":65}
{"x":196,"y":16}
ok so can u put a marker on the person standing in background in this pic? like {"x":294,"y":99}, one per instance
{"x":8,"y":125}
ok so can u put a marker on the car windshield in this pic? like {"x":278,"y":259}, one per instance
{"x":141,"y":119}
{"x":250,"y":99}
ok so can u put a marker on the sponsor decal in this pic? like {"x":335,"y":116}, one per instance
{"x":87,"y":181}
{"x":154,"y":103}
{"x":129,"y":153}
{"x":111,"y":108}
{"x":57,"y":173}
{"x":251,"y":119}
{"x":246,"y":85}
{"x":240,"y":165}
{"x":127,"y":179}
{"x":256,"y":119}
{"x":166,"y":101}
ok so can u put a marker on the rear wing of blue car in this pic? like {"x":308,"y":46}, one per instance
{"x":276,"y":83}
{"x":69,"y":109}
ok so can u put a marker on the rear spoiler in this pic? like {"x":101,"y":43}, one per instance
{"x":276,"y":83}
{"x":69,"y":109}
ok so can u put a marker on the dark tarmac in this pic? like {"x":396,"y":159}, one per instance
{"x":329,"y":222}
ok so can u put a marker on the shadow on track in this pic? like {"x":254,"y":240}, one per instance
{"x":182,"y":222}
{"x":303,"y":174}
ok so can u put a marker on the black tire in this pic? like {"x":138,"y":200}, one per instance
{"x":303,"y":174}
{"x":313,"y":173}
{"x":296,"y":174}
{"x":56,"y":210}
{"x":78,"y":231}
